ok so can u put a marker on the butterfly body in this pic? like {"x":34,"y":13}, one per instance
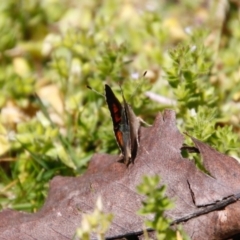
{"x":125,"y":125}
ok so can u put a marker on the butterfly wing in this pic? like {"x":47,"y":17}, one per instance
{"x":125,"y":125}
{"x":116,"y":110}
{"x":125,"y":130}
{"x":134,"y":125}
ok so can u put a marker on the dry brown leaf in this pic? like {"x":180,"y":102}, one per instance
{"x":206,"y":205}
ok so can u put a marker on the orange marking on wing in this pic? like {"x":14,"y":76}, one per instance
{"x":119,"y":138}
{"x":116,"y":113}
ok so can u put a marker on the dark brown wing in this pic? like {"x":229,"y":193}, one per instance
{"x":115,"y":109}
{"x":134,"y":125}
{"x":133,"y":133}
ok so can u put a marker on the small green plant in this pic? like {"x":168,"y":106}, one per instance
{"x":155,"y":204}
{"x":199,"y":101}
{"x":96,"y":223}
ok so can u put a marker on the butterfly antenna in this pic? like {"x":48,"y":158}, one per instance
{"x":120,"y":86}
{"x":89,"y":87}
{"x":140,"y":84}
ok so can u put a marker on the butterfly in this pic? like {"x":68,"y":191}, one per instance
{"x":125,"y":125}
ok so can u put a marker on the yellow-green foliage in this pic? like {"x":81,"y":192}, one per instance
{"x":154,"y":205}
{"x":50,"y":50}
{"x":97,"y":222}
